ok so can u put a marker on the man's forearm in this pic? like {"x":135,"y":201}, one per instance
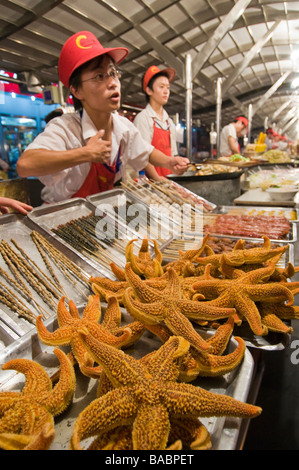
{"x":41,"y":162}
{"x":158,"y":158}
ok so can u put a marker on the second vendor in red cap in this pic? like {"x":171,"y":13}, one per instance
{"x":87,"y":151}
{"x":153,"y":122}
{"x":230,"y":134}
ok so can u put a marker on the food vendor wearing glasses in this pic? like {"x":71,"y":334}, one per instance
{"x":154,"y":123}
{"x":86,"y":152}
{"x":230,"y":134}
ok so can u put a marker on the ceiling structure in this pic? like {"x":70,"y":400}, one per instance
{"x":245,"y":47}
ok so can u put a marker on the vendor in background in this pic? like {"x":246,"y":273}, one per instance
{"x":269,"y":138}
{"x":230,"y":134}
{"x":276,"y":140}
{"x":7,"y":203}
{"x":283,"y":143}
{"x":86,"y":152}
{"x":153,"y":122}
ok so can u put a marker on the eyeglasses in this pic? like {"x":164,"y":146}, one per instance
{"x":101,"y":77}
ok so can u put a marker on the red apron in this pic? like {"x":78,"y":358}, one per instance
{"x":161,"y":141}
{"x":99,"y":179}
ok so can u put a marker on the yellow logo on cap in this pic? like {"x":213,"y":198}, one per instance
{"x":78,"y":40}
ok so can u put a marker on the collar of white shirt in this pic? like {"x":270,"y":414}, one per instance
{"x":153,"y":113}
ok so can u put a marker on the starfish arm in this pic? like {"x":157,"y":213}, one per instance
{"x":120,"y":368}
{"x":41,"y":441}
{"x":181,"y":326}
{"x":273,"y":292}
{"x":173,"y":288}
{"x":137,"y":329}
{"x":151,"y":428}
{"x":59,"y":337}
{"x":118,"y":272}
{"x":112,"y":316}
{"x":119,"y":438}
{"x":92,"y":311}
{"x":73,"y":310}
{"x":247,"y":308}
{"x":102,"y":334}
{"x":162,"y":363}
{"x":61,"y":395}
{"x":185,"y":399}
{"x":158,"y":254}
{"x":151,"y":313}
{"x":142,"y":291}
{"x":7,"y":400}
{"x":204,"y":310}
{"x":26,"y":418}
{"x":221,"y":337}
{"x":274,"y":323}
{"x":37,"y":380}
{"x":191,"y":432}
{"x":213,"y":365}
{"x":153,"y":269}
{"x":211,"y":288}
{"x":284,"y":312}
{"x":116,"y":408}
{"x":63,"y":315}
{"x":104,"y":292}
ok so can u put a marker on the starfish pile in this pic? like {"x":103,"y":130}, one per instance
{"x":150,"y":403}
{"x":146,"y":408}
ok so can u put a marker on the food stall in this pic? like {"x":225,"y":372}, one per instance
{"x":58,"y":255}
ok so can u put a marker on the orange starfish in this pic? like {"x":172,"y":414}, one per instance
{"x":26,"y":417}
{"x":170,"y":307}
{"x":243,"y":291}
{"x":70,"y":321}
{"x":212,"y":364}
{"x":147,"y":396}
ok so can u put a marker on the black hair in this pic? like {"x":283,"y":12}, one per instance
{"x":57,"y":112}
{"x":152,"y":81}
{"x":75,"y":79}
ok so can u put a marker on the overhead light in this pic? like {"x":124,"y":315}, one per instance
{"x":295,"y":83}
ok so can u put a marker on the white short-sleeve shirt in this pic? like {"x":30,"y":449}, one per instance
{"x":226,"y":132}
{"x":144,"y":122}
{"x":71,"y":131}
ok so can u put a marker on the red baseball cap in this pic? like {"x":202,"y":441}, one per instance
{"x":153,"y":70}
{"x":79,"y":49}
{"x":242,"y":119}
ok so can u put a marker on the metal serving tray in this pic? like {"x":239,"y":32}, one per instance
{"x":51,"y":216}
{"x":224,"y":431}
{"x":19,"y":228}
{"x":158,"y":229}
{"x":292,"y":237}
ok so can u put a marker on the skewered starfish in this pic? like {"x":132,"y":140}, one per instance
{"x":213,"y":364}
{"x":239,"y":256}
{"x":27,"y":417}
{"x":142,"y":264}
{"x":169,"y":307}
{"x":148,"y":396}
{"x":184,"y":263}
{"x":70,"y":321}
{"x":243,"y":291}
